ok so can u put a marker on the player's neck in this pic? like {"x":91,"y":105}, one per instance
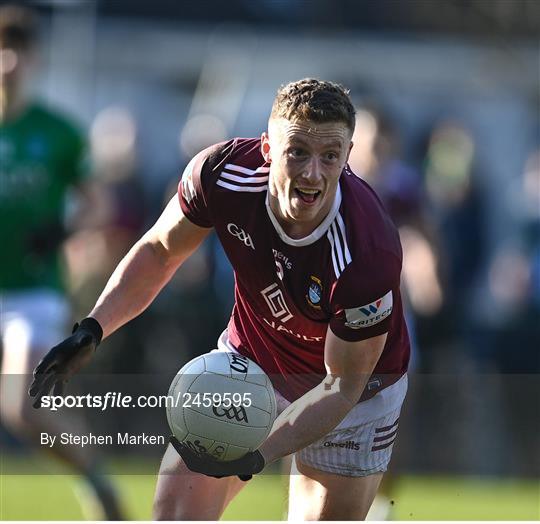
{"x":295,"y":229}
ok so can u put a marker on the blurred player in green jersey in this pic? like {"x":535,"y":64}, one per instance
{"x":42,"y":157}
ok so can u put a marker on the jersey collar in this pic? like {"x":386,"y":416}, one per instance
{"x":317,"y":233}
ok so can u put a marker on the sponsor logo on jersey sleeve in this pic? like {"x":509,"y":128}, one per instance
{"x":370,"y":314}
{"x":314,"y":293}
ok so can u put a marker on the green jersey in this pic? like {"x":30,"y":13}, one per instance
{"x":41,"y":156}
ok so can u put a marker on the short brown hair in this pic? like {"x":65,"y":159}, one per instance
{"x":314,"y":100}
{"x":18,"y":27}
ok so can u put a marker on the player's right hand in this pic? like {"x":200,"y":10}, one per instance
{"x":244,"y":467}
{"x":65,"y":359}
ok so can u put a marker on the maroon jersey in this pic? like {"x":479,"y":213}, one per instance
{"x":345,"y":275}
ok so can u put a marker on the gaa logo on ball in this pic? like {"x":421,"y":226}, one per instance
{"x":223,"y":405}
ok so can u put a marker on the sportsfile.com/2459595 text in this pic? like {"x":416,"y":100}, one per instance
{"x":116,"y":399}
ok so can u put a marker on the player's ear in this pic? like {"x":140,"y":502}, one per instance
{"x":265,"y":147}
{"x":349,"y":151}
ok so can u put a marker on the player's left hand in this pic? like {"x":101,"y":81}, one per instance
{"x":65,"y":359}
{"x":245,"y":467}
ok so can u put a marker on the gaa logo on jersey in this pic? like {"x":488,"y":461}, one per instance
{"x":370,"y":314}
{"x":314,"y":293}
{"x":241,"y":235}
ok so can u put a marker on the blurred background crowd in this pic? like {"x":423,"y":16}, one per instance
{"x":448,"y":133}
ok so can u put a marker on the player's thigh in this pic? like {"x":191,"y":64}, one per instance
{"x":184,"y":495}
{"x":318,"y":495}
{"x":338,"y":475}
{"x":32,"y":322}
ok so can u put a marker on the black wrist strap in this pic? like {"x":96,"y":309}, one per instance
{"x":92,"y":325}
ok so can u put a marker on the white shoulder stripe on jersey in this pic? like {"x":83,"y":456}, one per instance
{"x":337,"y":246}
{"x":243,"y":180}
{"x":347,"y":253}
{"x":334,"y":261}
{"x":242,"y":189}
{"x":341,"y":256}
{"x":245,"y":170}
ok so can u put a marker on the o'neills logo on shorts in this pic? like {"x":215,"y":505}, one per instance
{"x":350,"y":444}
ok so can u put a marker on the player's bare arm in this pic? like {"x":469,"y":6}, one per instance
{"x":319,"y":411}
{"x":147,"y":268}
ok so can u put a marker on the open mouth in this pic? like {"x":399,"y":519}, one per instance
{"x":307,"y":195}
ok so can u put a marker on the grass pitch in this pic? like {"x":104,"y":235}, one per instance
{"x":58,"y":497}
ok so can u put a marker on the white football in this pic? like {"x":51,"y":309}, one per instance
{"x":223,"y":404}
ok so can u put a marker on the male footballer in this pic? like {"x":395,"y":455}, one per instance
{"x":317,"y":263}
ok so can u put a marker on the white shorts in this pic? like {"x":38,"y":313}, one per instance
{"x":32,"y":320}
{"x":362,"y":443}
